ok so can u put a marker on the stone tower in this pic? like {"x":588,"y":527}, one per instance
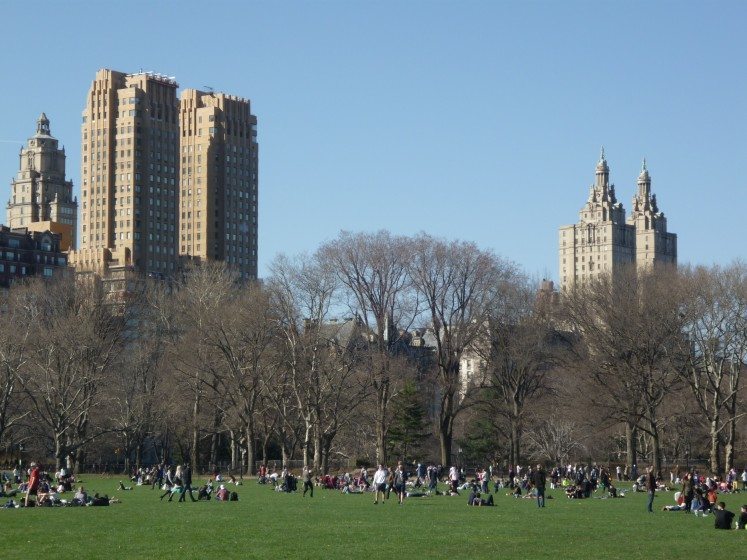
{"x":41,"y":197}
{"x":601,"y":240}
{"x":653,"y":244}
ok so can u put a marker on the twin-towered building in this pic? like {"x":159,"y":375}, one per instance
{"x":603,"y":240}
{"x":165,"y":179}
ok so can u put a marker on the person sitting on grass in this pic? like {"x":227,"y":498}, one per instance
{"x":475,"y":499}
{"x":123,"y":487}
{"x":81,"y":497}
{"x":679,"y":501}
{"x":723,"y":517}
{"x":742,"y":519}
{"x":205,"y":491}
{"x":222,"y":494}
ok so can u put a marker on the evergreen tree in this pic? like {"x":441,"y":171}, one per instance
{"x":408,"y":429}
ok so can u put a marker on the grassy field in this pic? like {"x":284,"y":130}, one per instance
{"x":265,"y":524}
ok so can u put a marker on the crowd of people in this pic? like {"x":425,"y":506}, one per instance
{"x":694,"y":493}
{"x":34,"y":487}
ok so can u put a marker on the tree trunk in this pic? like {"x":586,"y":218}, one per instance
{"x":194,"y":451}
{"x":731,"y":434}
{"x":317,"y":450}
{"x":307,"y":444}
{"x":446,"y":426}
{"x":630,"y":446}
{"x":326,"y":446}
{"x":250,"y":449}
{"x":515,"y":441}
{"x":234,"y":451}
{"x":715,"y":454}
{"x":382,"y":400}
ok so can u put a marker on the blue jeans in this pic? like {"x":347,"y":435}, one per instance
{"x":650,"y":505}
{"x":540,"y":497}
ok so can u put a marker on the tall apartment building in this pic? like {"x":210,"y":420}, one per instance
{"x":164,"y":179}
{"x":129,"y":171}
{"x":603,"y":241}
{"x":218,"y":185}
{"x":41,"y":197}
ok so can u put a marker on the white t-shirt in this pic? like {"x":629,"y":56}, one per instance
{"x":380,"y":477}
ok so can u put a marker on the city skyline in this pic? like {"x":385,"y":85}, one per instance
{"x":446,"y":120}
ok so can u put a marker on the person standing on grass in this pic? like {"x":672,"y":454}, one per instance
{"x":379,"y":482}
{"x":33,"y":483}
{"x":307,"y":484}
{"x":400,"y":478}
{"x":186,"y":484}
{"x":539,"y":481}
{"x":454,"y":480}
{"x":157,"y":476}
{"x":651,"y":489}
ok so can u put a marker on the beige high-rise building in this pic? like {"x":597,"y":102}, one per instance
{"x":164,"y":180}
{"x":41,"y":198}
{"x":129,"y":171}
{"x":218,"y":186}
{"x":603,"y":241}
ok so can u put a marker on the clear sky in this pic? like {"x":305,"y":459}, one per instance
{"x":473,"y":120}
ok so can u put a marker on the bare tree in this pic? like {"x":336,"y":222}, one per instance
{"x":79,"y":336}
{"x":239,"y":344}
{"x":626,"y":328}
{"x":302,"y":293}
{"x":460,"y":286}
{"x":138,"y":384}
{"x":14,"y":349}
{"x":520,"y":352}
{"x":555,"y":438}
{"x":373,"y":270}
{"x":713,"y":353}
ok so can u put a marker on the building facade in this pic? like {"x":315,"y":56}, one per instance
{"x":25,"y":254}
{"x":603,"y":240}
{"x":41,"y":197}
{"x":129,"y":171}
{"x":165,"y":181}
{"x":218,"y":185}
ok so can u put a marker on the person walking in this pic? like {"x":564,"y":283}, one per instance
{"x":539,"y":481}
{"x":651,"y":489}
{"x":379,"y":482}
{"x":400,"y":479}
{"x":33,"y":485}
{"x":186,"y":484}
{"x":307,"y":484}
{"x":157,"y":476}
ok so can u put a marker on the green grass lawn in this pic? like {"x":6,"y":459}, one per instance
{"x":265,"y":524}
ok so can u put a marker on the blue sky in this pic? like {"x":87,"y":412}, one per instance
{"x":473,"y":120}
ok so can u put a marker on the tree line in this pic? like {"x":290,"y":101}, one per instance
{"x":373,"y":348}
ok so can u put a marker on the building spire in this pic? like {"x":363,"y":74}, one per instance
{"x":643,"y":167}
{"x":42,"y":124}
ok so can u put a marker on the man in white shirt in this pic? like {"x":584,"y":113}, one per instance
{"x":379,"y":482}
